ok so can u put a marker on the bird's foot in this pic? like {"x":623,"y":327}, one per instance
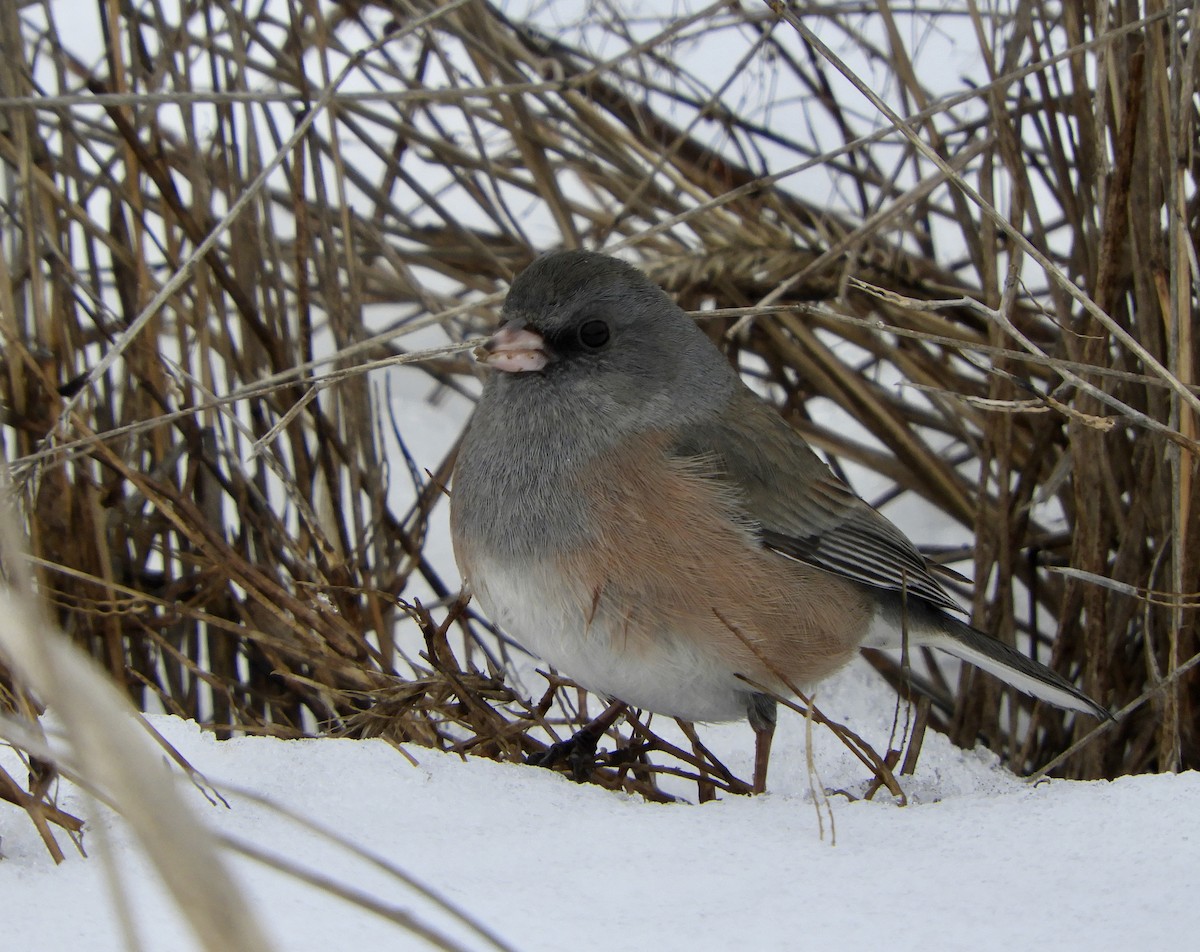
{"x":578,"y":752}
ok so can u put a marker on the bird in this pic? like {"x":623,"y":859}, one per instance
{"x":627,"y":509}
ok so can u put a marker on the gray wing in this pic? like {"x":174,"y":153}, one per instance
{"x":801,"y":510}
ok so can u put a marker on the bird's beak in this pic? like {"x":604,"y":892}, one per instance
{"x":514,"y":349}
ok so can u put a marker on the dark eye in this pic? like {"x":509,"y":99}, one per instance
{"x":593,"y":334}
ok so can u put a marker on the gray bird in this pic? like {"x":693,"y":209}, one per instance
{"x":630,"y":511}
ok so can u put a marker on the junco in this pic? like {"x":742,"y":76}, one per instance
{"x":628,"y":510}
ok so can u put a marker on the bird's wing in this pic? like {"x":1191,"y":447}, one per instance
{"x":799,"y":507}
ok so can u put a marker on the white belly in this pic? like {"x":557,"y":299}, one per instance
{"x":668,"y":675}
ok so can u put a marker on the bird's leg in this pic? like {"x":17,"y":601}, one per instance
{"x":761,"y":714}
{"x":579,"y":750}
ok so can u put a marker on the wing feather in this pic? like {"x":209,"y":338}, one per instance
{"x":800,"y":508}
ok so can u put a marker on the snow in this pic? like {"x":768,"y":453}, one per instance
{"x":979,"y":859}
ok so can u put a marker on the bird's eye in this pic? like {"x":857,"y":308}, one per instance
{"x":593,"y":334}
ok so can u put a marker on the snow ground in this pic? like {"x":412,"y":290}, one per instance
{"x":980,"y":860}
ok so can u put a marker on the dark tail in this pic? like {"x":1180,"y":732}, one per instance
{"x":1009,"y":665}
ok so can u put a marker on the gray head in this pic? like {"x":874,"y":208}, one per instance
{"x":591,"y":329}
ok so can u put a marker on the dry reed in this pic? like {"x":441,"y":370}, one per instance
{"x":204,"y":216}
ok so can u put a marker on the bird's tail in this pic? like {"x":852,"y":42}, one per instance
{"x":1008,"y":664}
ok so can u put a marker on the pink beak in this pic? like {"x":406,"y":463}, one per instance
{"x":513,"y":350}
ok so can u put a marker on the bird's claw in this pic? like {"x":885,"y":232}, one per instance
{"x":577,"y":752}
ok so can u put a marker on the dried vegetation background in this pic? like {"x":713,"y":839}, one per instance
{"x":958,"y":247}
